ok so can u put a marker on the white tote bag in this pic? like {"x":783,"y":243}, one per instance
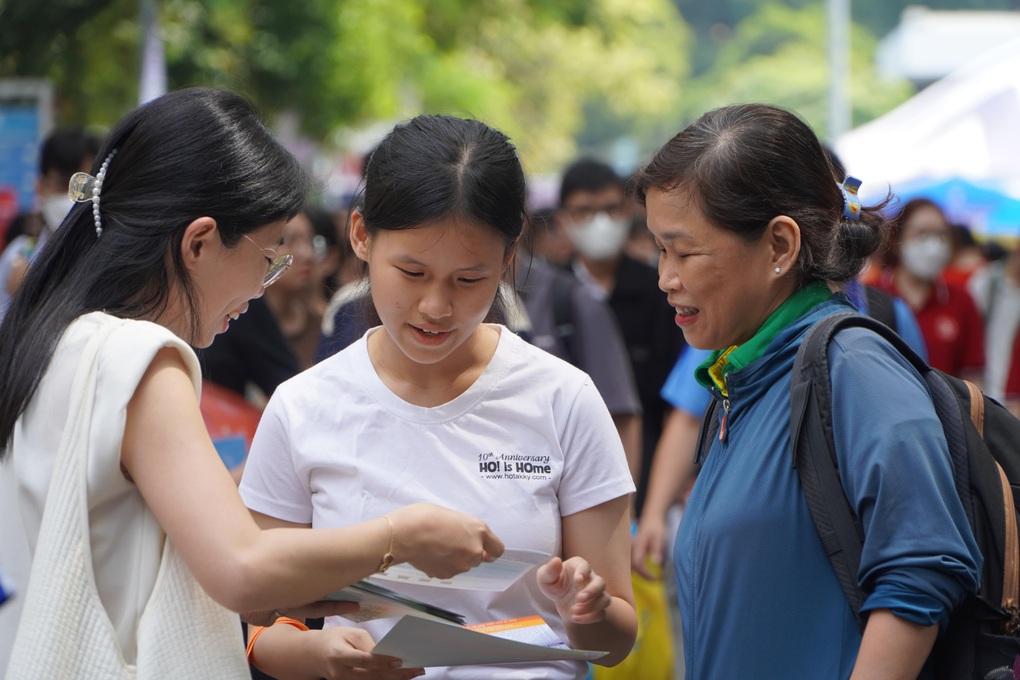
{"x":64,"y":630}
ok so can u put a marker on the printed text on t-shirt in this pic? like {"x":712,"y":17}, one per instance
{"x":513,"y":466}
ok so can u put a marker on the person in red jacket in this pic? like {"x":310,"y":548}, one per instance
{"x":950,"y":322}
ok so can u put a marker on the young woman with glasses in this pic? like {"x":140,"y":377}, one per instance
{"x":141,"y":543}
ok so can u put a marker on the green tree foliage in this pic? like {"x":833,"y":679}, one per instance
{"x":528,"y":67}
{"x":881,"y":16}
{"x":778,"y":55}
{"x":714,"y":22}
{"x":531,"y":67}
{"x":82,"y":46}
{"x":555,"y":74}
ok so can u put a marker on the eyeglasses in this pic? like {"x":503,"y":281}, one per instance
{"x":278,"y":264}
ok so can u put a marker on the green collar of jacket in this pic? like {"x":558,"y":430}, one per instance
{"x":713,"y":370}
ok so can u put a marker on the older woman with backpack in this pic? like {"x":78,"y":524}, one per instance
{"x":753,"y":235}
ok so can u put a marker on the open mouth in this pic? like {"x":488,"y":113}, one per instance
{"x":429,"y":336}
{"x":685,"y":315}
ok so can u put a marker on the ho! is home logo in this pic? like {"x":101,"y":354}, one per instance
{"x":513,"y":466}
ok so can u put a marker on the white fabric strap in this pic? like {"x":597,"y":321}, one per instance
{"x":64,"y":630}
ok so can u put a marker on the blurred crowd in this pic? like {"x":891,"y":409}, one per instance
{"x":585,"y":288}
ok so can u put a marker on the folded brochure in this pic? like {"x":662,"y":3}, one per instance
{"x":377,"y":602}
{"x":422,"y":642}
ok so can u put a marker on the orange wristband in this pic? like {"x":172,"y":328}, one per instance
{"x":255,"y":631}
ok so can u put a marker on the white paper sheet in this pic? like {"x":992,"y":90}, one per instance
{"x":421,"y":642}
{"x":492,"y":576}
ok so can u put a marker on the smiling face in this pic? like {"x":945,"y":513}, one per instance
{"x":722,"y":286}
{"x":433,"y":285}
{"x":227,"y":278}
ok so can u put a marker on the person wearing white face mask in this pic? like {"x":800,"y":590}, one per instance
{"x":600,"y":237}
{"x":595,"y":214}
{"x":950,"y":321}
{"x":63,"y":153}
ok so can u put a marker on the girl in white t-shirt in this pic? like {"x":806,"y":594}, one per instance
{"x":140,"y":543}
{"x":438,"y":405}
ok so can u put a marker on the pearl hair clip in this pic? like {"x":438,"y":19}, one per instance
{"x":84,"y":187}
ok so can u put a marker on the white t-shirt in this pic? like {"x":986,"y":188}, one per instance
{"x":530,"y":442}
{"x":126,"y":539}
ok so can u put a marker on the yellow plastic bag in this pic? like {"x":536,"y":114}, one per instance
{"x":652,"y":656}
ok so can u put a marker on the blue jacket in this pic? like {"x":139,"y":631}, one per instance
{"x":758,"y":596}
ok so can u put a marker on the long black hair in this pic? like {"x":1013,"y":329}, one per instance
{"x":191,"y":153}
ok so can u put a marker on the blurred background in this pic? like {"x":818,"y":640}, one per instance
{"x":922,"y":100}
{"x":922,"y":97}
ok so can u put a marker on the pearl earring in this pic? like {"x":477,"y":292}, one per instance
{"x":778,"y":270}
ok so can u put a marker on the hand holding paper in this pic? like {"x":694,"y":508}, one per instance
{"x":349,"y":650}
{"x":421,"y":640}
{"x":578,"y":592}
{"x":441,"y":542}
{"x":495,"y":576}
{"x":334,"y":653}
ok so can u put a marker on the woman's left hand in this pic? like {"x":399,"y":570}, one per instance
{"x":578,"y":592}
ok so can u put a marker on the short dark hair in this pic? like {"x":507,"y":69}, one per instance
{"x":66,"y":150}
{"x":588,"y":174}
{"x":188,"y":154}
{"x":745,"y":164}
{"x":322,"y":221}
{"x":540,"y":223}
{"x":899,"y":220}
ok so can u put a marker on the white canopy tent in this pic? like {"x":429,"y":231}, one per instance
{"x":966,"y":125}
{"x":965,"y":128}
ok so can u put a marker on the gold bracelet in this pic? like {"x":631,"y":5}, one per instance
{"x":387,"y":559}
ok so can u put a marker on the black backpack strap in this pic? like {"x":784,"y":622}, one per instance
{"x":707,"y":432}
{"x":563,"y":311}
{"x":880,"y":306}
{"x":814,"y":451}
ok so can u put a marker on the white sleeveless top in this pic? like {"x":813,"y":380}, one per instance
{"x":127,"y":543}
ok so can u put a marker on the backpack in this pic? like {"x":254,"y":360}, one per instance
{"x":563,"y":312}
{"x":563,"y":286}
{"x":881,"y":307}
{"x":982,"y":640}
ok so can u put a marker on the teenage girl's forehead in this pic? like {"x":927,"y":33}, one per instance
{"x":473,"y":240}
{"x":456,"y":225}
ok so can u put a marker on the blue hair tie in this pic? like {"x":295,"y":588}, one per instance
{"x":851,"y":202}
